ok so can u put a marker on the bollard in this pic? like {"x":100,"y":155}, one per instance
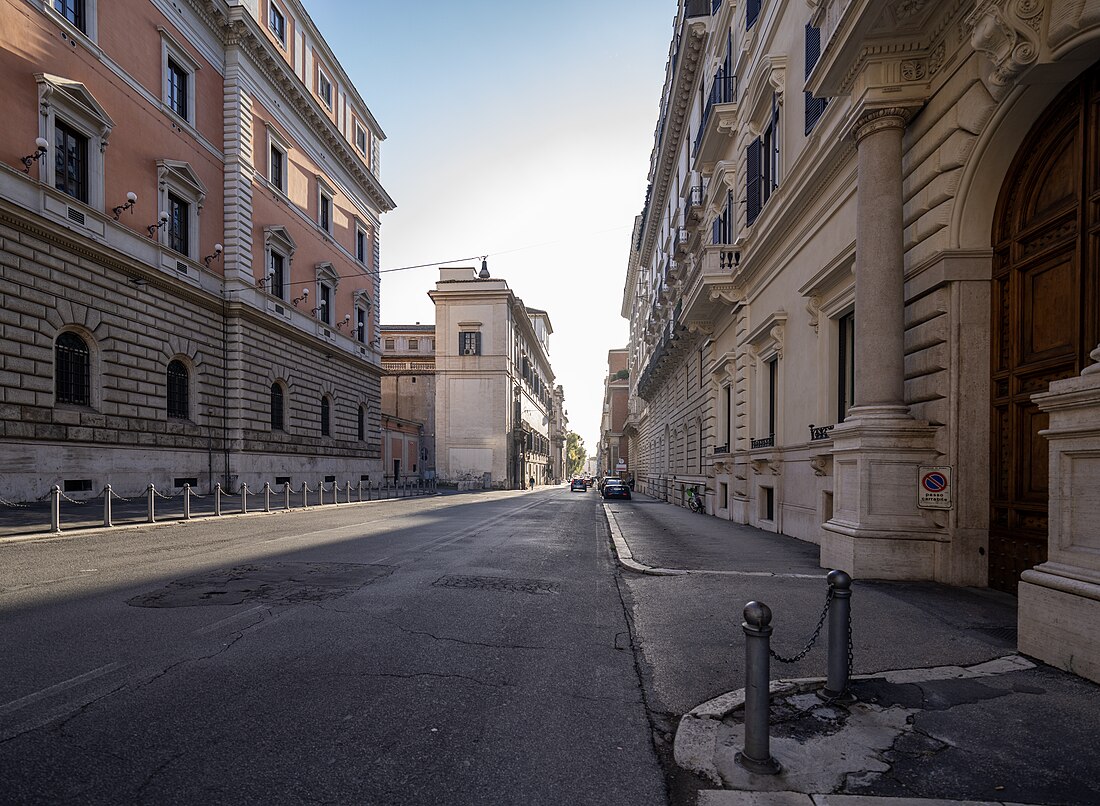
{"x":152,"y":508}
{"x":218,"y":499}
{"x":756,"y":756}
{"x":55,"y":509}
{"x":187,"y":502}
{"x":840,"y":635}
{"x":360,"y":491}
{"x":286,"y":495}
{"x":267,"y":496}
{"x":305,"y":495}
{"x":349,"y":492}
{"x":107,"y":493}
{"x":244,"y":498}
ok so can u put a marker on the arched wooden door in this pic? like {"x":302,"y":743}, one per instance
{"x":1046,"y":240}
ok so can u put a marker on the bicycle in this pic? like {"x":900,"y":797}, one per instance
{"x":694,"y":502}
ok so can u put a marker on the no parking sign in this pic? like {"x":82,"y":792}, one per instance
{"x":934,"y":488}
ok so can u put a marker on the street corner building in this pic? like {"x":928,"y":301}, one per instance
{"x":864,"y":295}
{"x":480,"y":384}
{"x":190,"y":208}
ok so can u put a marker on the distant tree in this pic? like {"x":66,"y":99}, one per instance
{"x":622,"y":374}
{"x":575,"y":454}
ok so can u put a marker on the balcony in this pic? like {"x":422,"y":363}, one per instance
{"x":711,"y":291}
{"x":820,"y":433}
{"x":764,"y":442}
{"x":693,"y":206}
{"x":719,"y":122}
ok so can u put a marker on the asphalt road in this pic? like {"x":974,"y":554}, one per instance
{"x":464,"y":649}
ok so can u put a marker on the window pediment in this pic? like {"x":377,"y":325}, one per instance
{"x":182,"y":177}
{"x":326,"y":273}
{"x":279,"y":239}
{"x":770,"y":80}
{"x":74,"y":98}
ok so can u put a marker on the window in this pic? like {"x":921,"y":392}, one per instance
{"x":846,"y":376}
{"x":815,"y":107}
{"x":469,"y":343}
{"x":762,"y":166}
{"x":390,"y":344}
{"x":773,"y":382}
{"x":414,"y":344}
{"x":179,"y":381}
{"x":752,"y":12}
{"x":361,"y":325}
{"x":433,"y":345}
{"x":362,"y":423}
{"x":277,"y":275}
{"x":179,"y":214}
{"x":277,"y":167}
{"x":326,"y":414}
{"x":324,"y":87}
{"x":77,"y":127}
{"x":324,"y":301}
{"x":71,"y":155}
{"x":722,"y":229}
{"x":277,"y":23}
{"x":324,"y":209}
{"x":178,"y":81}
{"x":74,"y":11}
{"x":181,"y":195}
{"x":73,"y":370}
{"x":278,"y":407}
{"x":360,"y":244}
{"x":360,"y":139}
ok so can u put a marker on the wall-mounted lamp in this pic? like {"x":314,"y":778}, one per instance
{"x":218,"y":249}
{"x":305,"y":295}
{"x":320,"y":307}
{"x":263,"y":281}
{"x":162,"y":220}
{"x":131,"y":200}
{"x":41,"y":146}
{"x":346,"y":320}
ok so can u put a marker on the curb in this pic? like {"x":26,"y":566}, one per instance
{"x":626,"y":557}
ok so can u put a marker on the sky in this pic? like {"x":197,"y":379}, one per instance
{"x":521,"y":131}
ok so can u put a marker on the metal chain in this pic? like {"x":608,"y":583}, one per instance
{"x":165,"y":497}
{"x":7,"y":503}
{"x":74,"y":501}
{"x":120,"y":498}
{"x":813,"y":638}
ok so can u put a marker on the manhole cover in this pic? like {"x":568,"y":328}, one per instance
{"x":1001,"y":633}
{"x":275,"y":582}
{"x":536,"y":586}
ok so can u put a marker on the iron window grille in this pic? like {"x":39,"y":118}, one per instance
{"x":326,"y":416}
{"x":469,"y":343}
{"x":178,"y":391}
{"x":277,"y":408}
{"x":74,"y":370}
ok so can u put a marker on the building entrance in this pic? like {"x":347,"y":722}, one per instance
{"x":1046,"y":238}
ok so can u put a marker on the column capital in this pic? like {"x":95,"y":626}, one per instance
{"x":876,"y":120}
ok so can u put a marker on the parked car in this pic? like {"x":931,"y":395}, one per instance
{"x":606,"y":479}
{"x":578,"y":484}
{"x":615,"y":488}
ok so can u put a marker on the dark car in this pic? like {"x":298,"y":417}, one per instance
{"x":616,"y":489}
{"x":578,"y":484}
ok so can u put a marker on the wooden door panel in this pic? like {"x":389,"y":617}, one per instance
{"x":1049,"y":296}
{"x":1033,"y":477}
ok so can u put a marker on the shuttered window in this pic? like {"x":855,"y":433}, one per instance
{"x":752,"y":179}
{"x":815,"y":107}
{"x":752,"y":11}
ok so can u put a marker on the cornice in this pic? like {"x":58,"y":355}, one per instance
{"x":689,"y":58}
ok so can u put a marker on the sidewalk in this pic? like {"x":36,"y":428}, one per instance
{"x":945,"y":711}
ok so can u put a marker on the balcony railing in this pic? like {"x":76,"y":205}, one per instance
{"x":722,"y":91}
{"x":694,"y":199}
{"x":820,"y":432}
{"x":721,"y":449}
{"x":766,"y":442}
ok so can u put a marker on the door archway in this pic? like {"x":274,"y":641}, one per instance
{"x":1046,"y":242}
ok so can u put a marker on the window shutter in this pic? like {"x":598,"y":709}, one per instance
{"x":752,"y":178}
{"x":477,"y":343}
{"x":815,"y":107}
{"x":752,"y":11}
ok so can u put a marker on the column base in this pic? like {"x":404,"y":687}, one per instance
{"x":1058,"y":616}
{"x":877,"y":529}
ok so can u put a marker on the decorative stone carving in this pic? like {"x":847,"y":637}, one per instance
{"x":912,"y":70}
{"x":776,"y":334}
{"x":729,"y":294}
{"x":821,"y":463}
{"x":935,"y":60}
{"x":1008,"y":34}
{"x":766,"y":467}
{"x":813,"y":307}
{"x":907,"y":9}
{"x":875,"y":120}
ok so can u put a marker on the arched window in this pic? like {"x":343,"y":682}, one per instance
{"x":362,"y":423}
{"x":178,"y":390}
{"x":278,"y":421}
{"x":326,"y":415}
{"x":73,"y":368}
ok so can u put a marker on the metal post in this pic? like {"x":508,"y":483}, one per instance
{"x":305,"y":494}
{"x":244,"y":498}
{"x":286,"y":495}
{"x":107,"y":493}
{"x":55,"y":509}
{"x":840,"y":638}
{"x":349,"y":491}
{"x":360,"y":491}
{"x":152,"y":507}
{"x":756,"y":756}
{"x":187,"y":502}
{"x":267,"y":496}
{"x":218,"y":498}
{"x":321,"y":492}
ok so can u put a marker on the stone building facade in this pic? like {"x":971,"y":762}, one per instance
{"x":498,"y":413}
{"x":863,"y":253}
{"x":613,"y":456}
{"x":189,"y":251}
{"x":408,"y":388}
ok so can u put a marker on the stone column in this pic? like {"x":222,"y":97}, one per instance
{"x":1059,"y":602}
{"x":880,"y":267}
{"x":876,"y":529}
